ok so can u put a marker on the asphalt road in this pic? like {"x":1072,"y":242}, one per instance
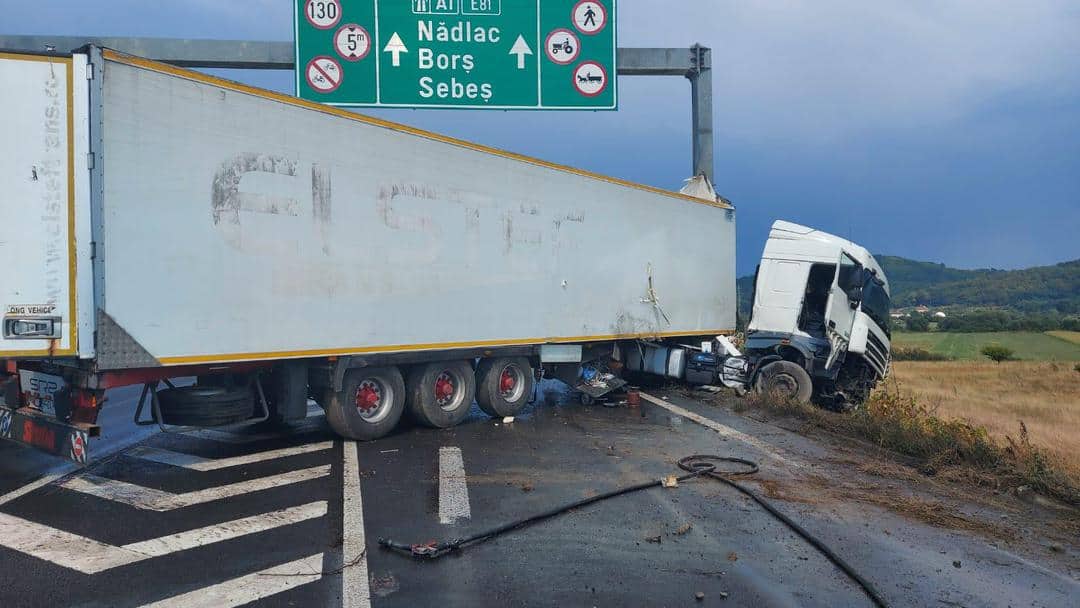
{"x":231,"y":519}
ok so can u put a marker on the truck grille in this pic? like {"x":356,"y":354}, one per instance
{"x":877,"y":354}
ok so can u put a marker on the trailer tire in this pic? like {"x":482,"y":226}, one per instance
{"x":785,"y":380}
{"x":504,"y":385}
{"x":369,"y":405}
{"x":205,"y":406}
{"x":441,"y":393}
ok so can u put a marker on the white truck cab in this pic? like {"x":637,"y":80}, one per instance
{"x":820,"y":318}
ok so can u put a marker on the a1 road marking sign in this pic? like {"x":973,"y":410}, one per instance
{"x":590,"y":79}
{"x":562,"y":47}
{"x":323,"y":14}
{"x":324,"y":74}
{"x":590,"y":17}
{"x":353,"y":42}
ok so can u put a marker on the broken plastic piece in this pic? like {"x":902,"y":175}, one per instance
{"x":671,"y":481}
{"x":508,"y":420}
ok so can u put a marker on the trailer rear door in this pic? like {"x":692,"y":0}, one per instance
{"x":42,"y":133}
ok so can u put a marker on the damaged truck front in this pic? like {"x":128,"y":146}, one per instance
{"x":820,"y":322}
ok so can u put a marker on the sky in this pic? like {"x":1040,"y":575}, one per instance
{"x":942,"y":130}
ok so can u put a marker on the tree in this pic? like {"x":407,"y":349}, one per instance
{"x":997,"y":353}
{"x":918,"y":322}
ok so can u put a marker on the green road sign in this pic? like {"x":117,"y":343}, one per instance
{"x":475,"y":54}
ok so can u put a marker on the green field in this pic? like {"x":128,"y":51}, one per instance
{"x":1068,"y":336}
{"x":1029,"y":346}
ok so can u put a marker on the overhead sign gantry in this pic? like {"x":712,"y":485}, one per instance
{"x":469,"y":54}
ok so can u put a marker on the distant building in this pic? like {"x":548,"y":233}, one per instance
{"x":922,"y":309}
{"x":939,"y":315}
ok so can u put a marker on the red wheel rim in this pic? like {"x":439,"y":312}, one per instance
{"x":372,"y":400}
{"x":446,"y":389}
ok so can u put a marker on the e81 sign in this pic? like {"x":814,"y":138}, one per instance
{"x":471,"y":54}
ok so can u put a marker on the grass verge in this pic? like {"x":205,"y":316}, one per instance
{"x":899,"y":422}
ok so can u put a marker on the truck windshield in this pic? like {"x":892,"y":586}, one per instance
{"x":876,"y":304}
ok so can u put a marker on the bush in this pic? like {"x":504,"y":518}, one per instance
{"x":917,"y":354}
{"x":918,"y":322}
{"x":997,"y":353}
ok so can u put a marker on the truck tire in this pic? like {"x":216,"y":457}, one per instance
{"x":785,"y":380}
{"x":369,"y":405}
{"x":440,"y":394}
{"x":206,"y":406}
{"x":504,"y":385}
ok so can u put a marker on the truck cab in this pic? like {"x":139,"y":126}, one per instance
{"x":820,"y":315}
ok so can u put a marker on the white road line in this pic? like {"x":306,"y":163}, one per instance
{"x":453,"y":493}
{"x":354,"y":580}
{"x":89,"y":556}
{"x":261,"y":522}
{"x":30,"y":487}
{"x":159,"y":500}
{"x":723,"y":430}
{"x":198,"y":463}
{"x":249,"y":588}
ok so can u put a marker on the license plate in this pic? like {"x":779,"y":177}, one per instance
{"x":39,"y":390}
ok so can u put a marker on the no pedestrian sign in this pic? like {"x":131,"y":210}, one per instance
{"x":469,"y":54}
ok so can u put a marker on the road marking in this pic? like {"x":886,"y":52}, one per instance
{"x":249,"y":588}
{"x":354,"y":580}
{"x":151,"y":499}
{"x":89,"y":556}
{"x":226,"y":437}
{"x":198,"y":463}
{"x":723,"y":430}
{"x":453,"y":493}
{"x":30,"y":487}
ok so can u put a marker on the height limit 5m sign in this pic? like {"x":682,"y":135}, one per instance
{"x":470,"y":54}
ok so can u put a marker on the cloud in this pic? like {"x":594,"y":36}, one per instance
{"x":828,"y":70}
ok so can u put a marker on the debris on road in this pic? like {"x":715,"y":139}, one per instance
{"x":508,"y":420}
{"x":683,"y":529}
{"x":654,"y":539}
{"x":733,"y":557}
{"x":671,"y":481}
{"x":699,"y":596}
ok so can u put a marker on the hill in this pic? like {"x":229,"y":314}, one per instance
{"x":1044,"y":290}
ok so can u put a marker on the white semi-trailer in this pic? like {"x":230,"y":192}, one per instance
{"x":158,"y":223}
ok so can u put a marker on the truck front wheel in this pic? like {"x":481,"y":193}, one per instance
{"x":369,"y":405}
{"x":785,"y":380}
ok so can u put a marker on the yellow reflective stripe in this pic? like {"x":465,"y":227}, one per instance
{"x":302,"y":354}
{"x":311,"y":105}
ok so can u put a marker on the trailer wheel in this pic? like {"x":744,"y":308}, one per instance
{"x":785,"y":380}
{"x":369,"y":405}
{"x":205,"y":406}
{"x":441,"y":393}
{"x":504,"y":385}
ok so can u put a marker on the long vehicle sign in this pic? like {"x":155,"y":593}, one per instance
{"x":469,"y":54}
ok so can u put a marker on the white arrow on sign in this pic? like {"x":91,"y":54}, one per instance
{"x":521,"y":49}
{"x":396,"y":47}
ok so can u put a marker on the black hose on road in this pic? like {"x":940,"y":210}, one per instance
{"x":699,"y":465}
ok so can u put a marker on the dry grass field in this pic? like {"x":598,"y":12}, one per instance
{"x":1044,"y":395}
{"x":1068,"y":336}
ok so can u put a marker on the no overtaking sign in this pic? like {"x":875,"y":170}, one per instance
{"x":493,"y":54}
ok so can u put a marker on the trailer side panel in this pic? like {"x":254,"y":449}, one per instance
{"x":240,"y":226}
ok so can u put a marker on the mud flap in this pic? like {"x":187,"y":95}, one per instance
{"x":32,"y":429}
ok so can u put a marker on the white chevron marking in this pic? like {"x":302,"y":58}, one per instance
{"x":89,"y":556}
{"x":198,"y":463}
{"x":250,"y":588}
{"x":159,"y":500}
